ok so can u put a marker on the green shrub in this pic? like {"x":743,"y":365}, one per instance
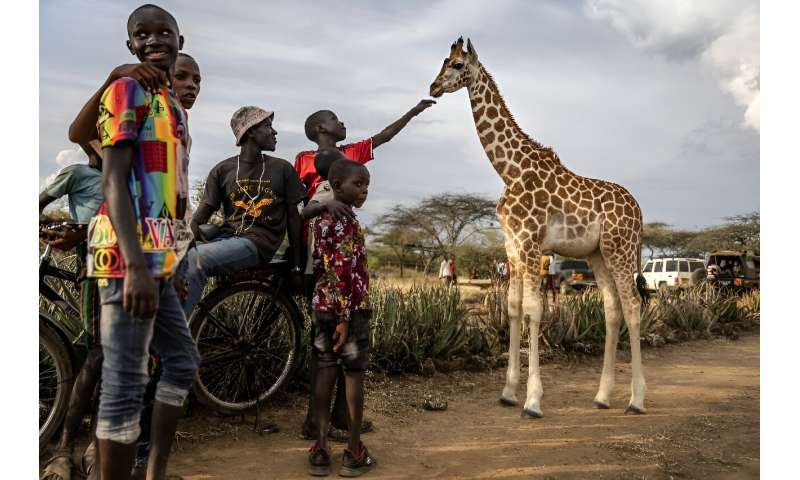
{"x":425,"y":322}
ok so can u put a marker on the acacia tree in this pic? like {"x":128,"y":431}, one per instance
{"x":740,"y":232}
{"x":441,"y":222}
{"x":399,"y":240}
{"x":659,"y":237}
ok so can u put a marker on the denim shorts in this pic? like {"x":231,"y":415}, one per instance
{"x":354,"y":354}
{"x":126,"y":343}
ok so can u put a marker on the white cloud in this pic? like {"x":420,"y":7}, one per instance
{"x":570,"y":82}
{"x":723,"y":34}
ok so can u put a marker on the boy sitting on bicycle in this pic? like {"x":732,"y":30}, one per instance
{"x":259,"y":195}
{"x":341,"y":314}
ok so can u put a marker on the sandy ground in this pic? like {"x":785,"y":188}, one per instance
{"x":702,"y":421}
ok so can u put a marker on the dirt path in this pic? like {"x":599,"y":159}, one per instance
{"x":702,"y":422}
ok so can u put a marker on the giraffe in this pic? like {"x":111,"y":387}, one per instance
{"x":544,"y":209}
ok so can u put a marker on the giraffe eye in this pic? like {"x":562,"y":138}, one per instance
{"x":458,"y":66}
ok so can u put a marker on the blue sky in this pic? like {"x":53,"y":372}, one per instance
{"x":660,"y":96}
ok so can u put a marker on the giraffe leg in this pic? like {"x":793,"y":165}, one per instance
{"x":613,"y":313}
{"x":533,"y":306}
{"x":631,"y":307}
{"x":509,"y":395}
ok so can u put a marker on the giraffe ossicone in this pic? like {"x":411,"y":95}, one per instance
{"x":545,"y":209}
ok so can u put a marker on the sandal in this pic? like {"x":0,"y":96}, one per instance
{"x":342,"y":435}
{"x":88,"y":461}
{"x":59,"y":467}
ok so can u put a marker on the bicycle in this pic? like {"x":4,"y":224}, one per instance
{"x":247,"y":329}
{"x":62,"y":349}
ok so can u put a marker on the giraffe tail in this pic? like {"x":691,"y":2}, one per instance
{"x":641,"y":282}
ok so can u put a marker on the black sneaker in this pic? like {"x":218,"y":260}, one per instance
{"x":357,"y":465}
{"x":319,"y":461}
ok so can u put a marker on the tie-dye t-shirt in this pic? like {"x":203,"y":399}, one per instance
{"x":156,"y":126}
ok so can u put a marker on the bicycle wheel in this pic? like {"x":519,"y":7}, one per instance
{"x":249,"y":342}
{"x":55,"y":382}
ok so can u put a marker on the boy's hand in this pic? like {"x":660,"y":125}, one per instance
{"x":340,"y":335}
{"x":139,"y":294}
{"x":339,"y":210}
{"x":422,"y":105}
{"x":63,"y":239}
{"x":149,"y":77}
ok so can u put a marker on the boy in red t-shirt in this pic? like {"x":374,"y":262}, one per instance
{"x":325,"y":129}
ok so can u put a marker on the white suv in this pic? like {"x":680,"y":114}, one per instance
{"x":671,"y":272}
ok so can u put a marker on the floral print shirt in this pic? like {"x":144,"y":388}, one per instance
{"x":340,"y":267}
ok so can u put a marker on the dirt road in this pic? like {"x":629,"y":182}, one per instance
{"x":702,"y":422}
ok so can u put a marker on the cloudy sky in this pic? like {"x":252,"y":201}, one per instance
{"x":661,"y":96}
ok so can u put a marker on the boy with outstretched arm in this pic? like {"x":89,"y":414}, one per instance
{"x":132,"y":252}
{"x":325,"y":129}
{"x":341,"y":314}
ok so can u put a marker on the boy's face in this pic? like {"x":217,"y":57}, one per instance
{"x":264,"y":135}
{"x":153,"y":37}
{"x":186,"y":80}
{"x":334,"y":127}
{"x":354,"y":189}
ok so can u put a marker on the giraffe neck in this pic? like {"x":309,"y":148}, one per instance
{"x":504,"y":142}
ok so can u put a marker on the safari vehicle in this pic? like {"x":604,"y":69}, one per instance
{"x":670,"y":272}
{"x":734,"y":269}
{"x":573,"y":275}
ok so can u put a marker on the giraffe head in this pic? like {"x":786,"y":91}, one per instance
{"x":458,"y":69}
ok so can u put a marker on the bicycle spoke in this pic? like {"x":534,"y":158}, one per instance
{"x":227,"y":356}
{"x":219,"y":325}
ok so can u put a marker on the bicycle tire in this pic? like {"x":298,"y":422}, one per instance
{"x":58,"y":378}
{"x":236,"y":350}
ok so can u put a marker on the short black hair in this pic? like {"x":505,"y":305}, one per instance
{"x":181,"y":54}
{"x":324,"y":160}
{"x":342,"y":169}
{"x":149,"y":6}
{"x":313,"y":121}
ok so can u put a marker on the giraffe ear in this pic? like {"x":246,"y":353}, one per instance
{"x":471,"y":50}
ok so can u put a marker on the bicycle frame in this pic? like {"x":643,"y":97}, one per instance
{"x":80,"y":342}
{"x":48,"y":270}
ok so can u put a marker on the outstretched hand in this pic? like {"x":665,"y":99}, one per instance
{"x":422,"y":105}
{"x":151,"y":78}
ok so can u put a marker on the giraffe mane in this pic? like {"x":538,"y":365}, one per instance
{"x":510,"y":116}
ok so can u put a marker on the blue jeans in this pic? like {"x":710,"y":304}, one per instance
{"x":126,"y":343}
{"x":218,"y":257}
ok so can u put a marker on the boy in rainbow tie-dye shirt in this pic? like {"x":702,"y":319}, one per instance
{"x":132,"y":251}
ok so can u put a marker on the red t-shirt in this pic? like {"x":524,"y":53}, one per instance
{"x":360,"y":152}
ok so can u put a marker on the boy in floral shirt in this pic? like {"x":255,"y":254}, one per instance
{"x":341,"y":314}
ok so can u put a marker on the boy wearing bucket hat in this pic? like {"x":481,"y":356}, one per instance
{"x":258,"y":194}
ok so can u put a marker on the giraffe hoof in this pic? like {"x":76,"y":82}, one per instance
{"x":507,"y":403}
{"x":634,"y":410}
{"x":600,"y":405}
{"x":530,"y":414}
